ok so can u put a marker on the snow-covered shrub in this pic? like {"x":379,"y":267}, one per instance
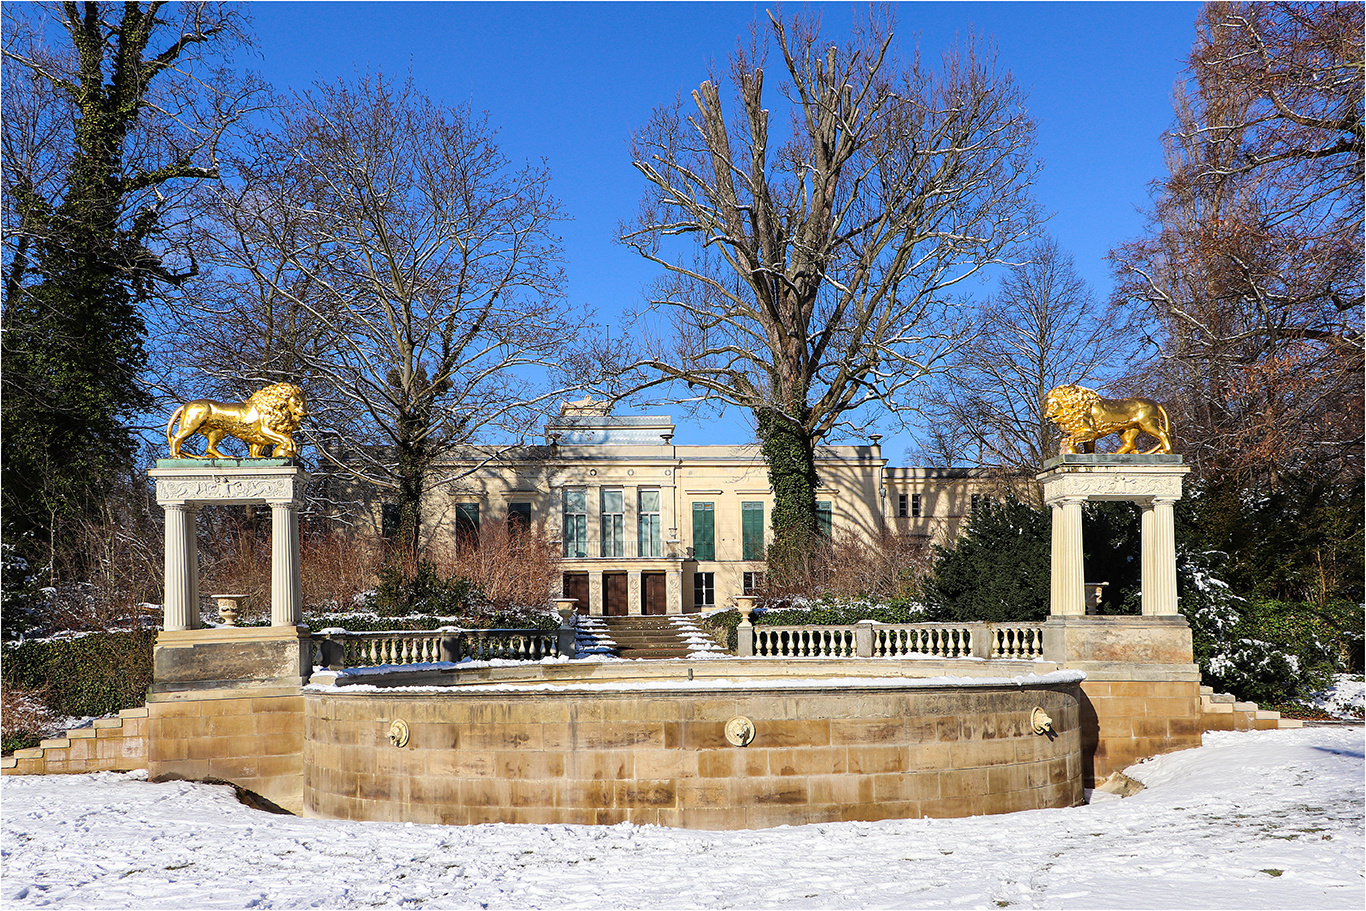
{"x":1269,"y":652}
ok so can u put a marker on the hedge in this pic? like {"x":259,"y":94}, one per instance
{"x":93,"y":675}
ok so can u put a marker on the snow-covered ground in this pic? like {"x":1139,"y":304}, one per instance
{"x":1270,"y":819}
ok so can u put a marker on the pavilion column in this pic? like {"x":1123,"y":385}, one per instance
{"x":286,"y":586}
{"x":1067,"y":593}
{"x":1146,"y":529}
{"x":180,"y":603}
{"x":1159,"y":558}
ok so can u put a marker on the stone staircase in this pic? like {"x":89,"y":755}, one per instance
{"x":645,"y":637}
{"x":1222,"y":712}
{"x":117,"y":744}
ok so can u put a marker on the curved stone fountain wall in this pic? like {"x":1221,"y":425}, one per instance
{"x":607,"y":752}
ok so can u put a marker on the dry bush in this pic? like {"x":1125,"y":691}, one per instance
{"x":103,"y":581}
{"x":25,"y":718}
{"x":337,"y":568}
{"x":234,"y":557}
{"x":854,"y":568}
{"x":335,"y":565}
{"x":513,"y":568}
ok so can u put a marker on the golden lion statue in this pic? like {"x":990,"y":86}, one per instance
{"x":1086,"y":417}
{"x":269,"y":417}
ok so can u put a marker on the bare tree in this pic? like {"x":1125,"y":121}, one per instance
{"x":821,"y":260}
{"x":1252,"y":269}
{"x":1042,"y":328}
{"x":394,"y":262}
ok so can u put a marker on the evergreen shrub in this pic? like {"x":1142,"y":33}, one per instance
{"x":998,"y":569}
{"x":86,"y":676}
{"x":420,"y":589}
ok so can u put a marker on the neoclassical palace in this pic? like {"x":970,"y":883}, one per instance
{"x":652,"y":527}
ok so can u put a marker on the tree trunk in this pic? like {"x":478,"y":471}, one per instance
{"x":414,"y":456}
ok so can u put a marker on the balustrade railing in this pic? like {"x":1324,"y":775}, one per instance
{"x":893,"y":640}
{"x":804,"y":641}
{"x":337,"y":649}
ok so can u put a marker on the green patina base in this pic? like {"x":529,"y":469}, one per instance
{"x":1113,"y":458}
{"x":226,"y":463}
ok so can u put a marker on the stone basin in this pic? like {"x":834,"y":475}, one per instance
{"x":694,"y":743}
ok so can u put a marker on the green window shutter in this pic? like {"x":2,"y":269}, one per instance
{"x":704,"y":531}
{"x":648,"y":539}
{"x":613,"y":524}
{"x":575,"y":522}
{"x":825,"y":518}
{"x":467,"y":522}
{"x":752,"y":531}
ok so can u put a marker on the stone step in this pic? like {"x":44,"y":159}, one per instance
{"x":1217,"y":708}
{"x":87,"y":757}
{"x":645,"y":637}
{"x":1289,"y":723}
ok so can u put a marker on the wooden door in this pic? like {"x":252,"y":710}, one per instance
{"x":652,"y":593}
{"x":576,"y":587}
{"x":615,"y":601}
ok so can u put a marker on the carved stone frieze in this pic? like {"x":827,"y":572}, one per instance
{"x":266,"y":485}
{"x":1126,"y":483}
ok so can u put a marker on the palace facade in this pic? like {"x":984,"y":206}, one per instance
{"x":649,"y":526}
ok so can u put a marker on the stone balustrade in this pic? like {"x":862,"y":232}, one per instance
{"x":895,"y":640}
{"x":338,"y":649}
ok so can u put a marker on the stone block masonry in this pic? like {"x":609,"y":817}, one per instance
{"x":252,"y":737}
{"x":117,"y":744}
{"x":818,"y":754}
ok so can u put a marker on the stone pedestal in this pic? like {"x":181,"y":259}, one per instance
{"x":1141,"y":696}
{"x":1160,"y":647}
{"x":185,"y":485}
{"x":235,"y":657}
{"x":1151,"y":481}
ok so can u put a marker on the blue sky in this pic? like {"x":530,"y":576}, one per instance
{"x":569,"y":82}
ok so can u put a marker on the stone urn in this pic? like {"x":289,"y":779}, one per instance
{"x":745,"y":605}
{"x":228,"y":608}
{"x":565,"y":607}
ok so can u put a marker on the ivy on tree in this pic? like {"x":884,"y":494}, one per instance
{"x":80,"y":258}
